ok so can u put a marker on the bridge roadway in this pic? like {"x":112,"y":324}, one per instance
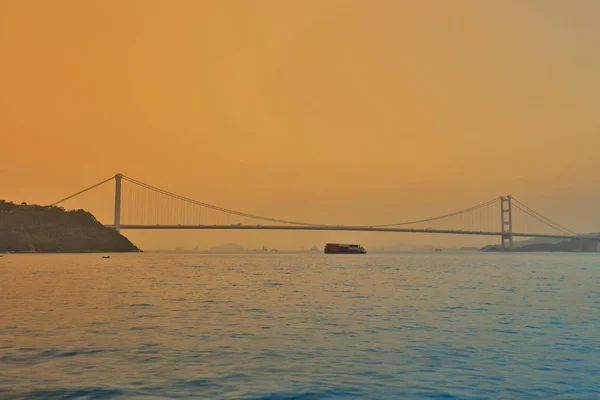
{"x":346,"y":228}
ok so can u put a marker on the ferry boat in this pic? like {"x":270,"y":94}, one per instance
{"x":336,"y":248}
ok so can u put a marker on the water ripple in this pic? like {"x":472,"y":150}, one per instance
{"x":284,"y":326}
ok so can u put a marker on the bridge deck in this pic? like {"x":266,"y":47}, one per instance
{"x":344,"y":228}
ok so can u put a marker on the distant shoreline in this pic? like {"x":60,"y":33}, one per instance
{"x":454,"y":251}
{"x":69,"y":252}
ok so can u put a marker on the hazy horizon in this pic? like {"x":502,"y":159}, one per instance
{"x":334,"y":112}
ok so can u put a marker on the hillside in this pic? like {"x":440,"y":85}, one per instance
{"x":571,"y":245}
{"x":33,"y":228}
{"x":527,"y":242}
{"x":227,"y":248}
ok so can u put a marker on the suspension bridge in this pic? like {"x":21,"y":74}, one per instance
{"x":138,"y":205}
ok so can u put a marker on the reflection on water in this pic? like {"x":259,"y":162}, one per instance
{"x":305,"y":326}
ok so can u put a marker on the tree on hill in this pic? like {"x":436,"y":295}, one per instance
{"x":35,"y":228}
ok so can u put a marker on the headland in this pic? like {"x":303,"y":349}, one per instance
{"x":48,"y":229}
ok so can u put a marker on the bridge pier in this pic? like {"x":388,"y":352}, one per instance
{"x":506,"y":214}
{"x":118,"y":178}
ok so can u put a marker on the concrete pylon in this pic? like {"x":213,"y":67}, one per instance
{"x":118,"y":178}
{"x":506,"y":214}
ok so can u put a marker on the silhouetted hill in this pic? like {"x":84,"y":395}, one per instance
{"x":571,"y":245}
{"x":521,"y":243}
{"x":227,"y":248}
{"x":33,"y":228}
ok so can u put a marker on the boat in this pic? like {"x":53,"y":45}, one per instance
{"x":105,"y":256}
{"x":438,"y":249}
{"x":337,"y":248}
{"x":314,"y":248}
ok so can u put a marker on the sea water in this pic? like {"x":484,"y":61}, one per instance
{"x":300,"y":326}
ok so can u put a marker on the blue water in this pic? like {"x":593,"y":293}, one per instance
{"x":300,"y":326}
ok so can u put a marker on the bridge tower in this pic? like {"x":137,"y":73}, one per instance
{"x":506,"y":209}
{"x":118,"y":178}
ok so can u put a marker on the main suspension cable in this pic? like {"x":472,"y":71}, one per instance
{"x":565,"y":231}
{"x":543,"y":219}
{"x":466,"y":210}
{"x":217,"y":208}
{"x":82,"y":191}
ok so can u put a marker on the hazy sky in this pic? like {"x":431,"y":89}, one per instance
{"x":333,"y":111}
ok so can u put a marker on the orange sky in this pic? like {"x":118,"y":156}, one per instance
{"x":352,"y":111}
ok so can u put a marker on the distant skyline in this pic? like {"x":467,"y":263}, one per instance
{"x":321,"y":111}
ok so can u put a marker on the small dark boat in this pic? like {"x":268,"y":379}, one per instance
{"x":105,"y":256}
